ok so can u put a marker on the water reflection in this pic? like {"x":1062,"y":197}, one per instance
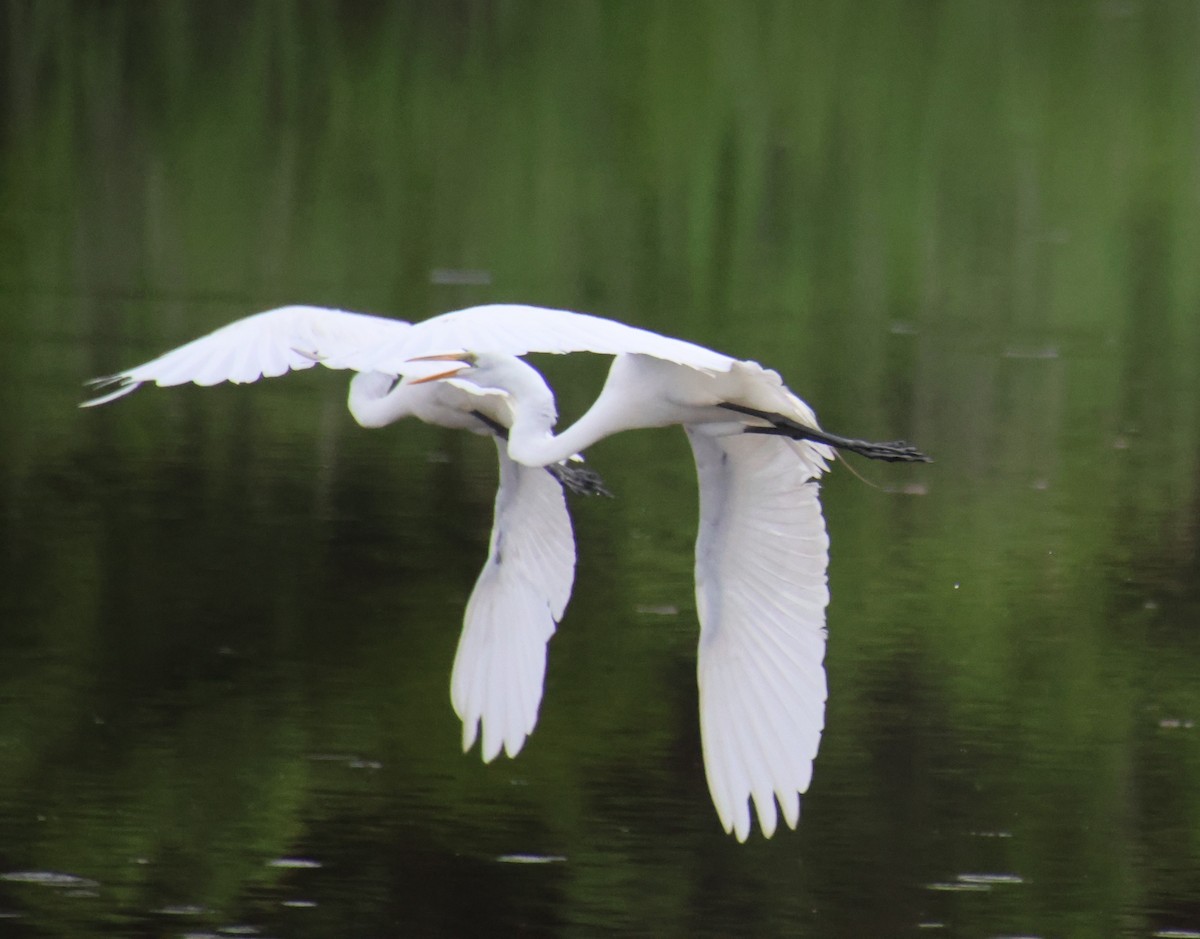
{"x":202,"y":592}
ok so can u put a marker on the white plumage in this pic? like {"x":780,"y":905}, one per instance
{"x":761,"y":550}
{"x":515,"y":605}
{"x":761,"y":556}
{"x":269,"y":344}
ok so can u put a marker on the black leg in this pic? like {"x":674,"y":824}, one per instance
{"x":894,"y":451}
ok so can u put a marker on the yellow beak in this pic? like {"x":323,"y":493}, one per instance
{"x":437,"y":377}
{"x":464,"y":357}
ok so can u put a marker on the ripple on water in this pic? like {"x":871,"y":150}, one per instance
{"x":50,"y":879}
{"x":531,"y":859}
{"x":294,"y":863}
{"x":183,"y":909}
{"x":975,"y":882}
{"x":991,"y":879}
{"x":948,"y":886}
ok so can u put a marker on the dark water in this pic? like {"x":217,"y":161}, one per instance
{"x":228,"y":615}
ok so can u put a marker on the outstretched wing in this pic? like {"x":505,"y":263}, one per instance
{"x":294,"y":337}
{"x":761,"y":593}
{"x":263,"y":345}
{"x":518,"y":599}
{"x":516,"y":329}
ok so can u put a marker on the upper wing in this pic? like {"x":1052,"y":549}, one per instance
{"x":520,"y":595}
{"x":761,"y":593}
{"x":295,"y":337}
{"x":515,"y":329}
{"x":265,"y":344}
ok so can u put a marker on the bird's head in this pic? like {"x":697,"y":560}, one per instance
{"x":489,"y":370}
{"x":494,"y":371}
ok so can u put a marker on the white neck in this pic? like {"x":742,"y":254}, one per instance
{"x":373,"y":400}
{"x":531,"y":439}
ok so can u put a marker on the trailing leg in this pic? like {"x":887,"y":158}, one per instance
{"x":894,"y":451}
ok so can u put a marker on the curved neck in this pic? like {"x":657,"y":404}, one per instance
{"x":531,"y":438}
{"x":372,"y":401}
{"x":532,"y":441}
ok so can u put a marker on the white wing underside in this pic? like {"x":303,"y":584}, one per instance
{"x":761,"y":593}
{"x":518,"y":599}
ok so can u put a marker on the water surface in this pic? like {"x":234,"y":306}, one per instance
{"x":230,"y":613}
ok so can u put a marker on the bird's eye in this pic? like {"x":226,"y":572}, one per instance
{"x":392,"y":386}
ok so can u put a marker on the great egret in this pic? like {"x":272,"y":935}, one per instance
{"x":761,"y":550}
{"x":500,"y":664}
{"x":499,"y":667}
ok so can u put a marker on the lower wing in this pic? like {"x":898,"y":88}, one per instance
{"x":518,"y":600}
{"x":761,"y":592}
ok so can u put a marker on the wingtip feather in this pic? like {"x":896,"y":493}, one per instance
{"x":125,"y":385}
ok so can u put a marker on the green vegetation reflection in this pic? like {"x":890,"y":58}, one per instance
{"x":232,"y":613}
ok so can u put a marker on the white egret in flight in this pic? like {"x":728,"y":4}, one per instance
{"x":523,"y":589}
{"x":761,"y":550}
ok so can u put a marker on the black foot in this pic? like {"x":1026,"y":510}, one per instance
{"x":895,"y":451}
{"x":578,"y":479}
{"x":573,"y":477}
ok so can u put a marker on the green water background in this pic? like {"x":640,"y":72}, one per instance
{"x":229,"y":614}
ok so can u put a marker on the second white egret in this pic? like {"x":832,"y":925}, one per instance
{"x":761,"y":550}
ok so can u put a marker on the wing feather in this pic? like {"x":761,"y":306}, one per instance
{"x":517,"y":329}
{"x":265,"y":344}
{"x":761,"y":592}
{"x":296,"y":337}
{"x":520,"y":596}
